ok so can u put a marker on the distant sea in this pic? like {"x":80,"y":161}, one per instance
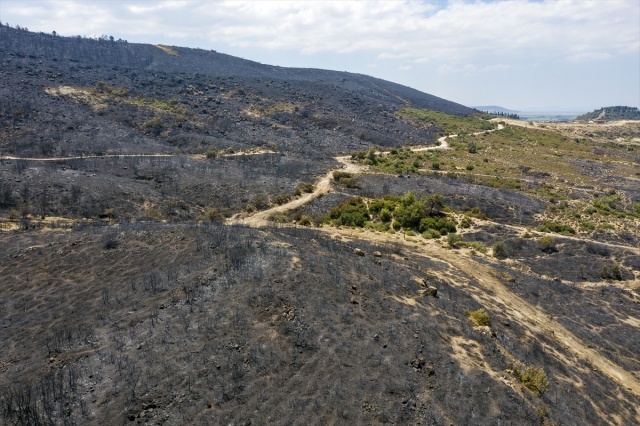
{"x":549,"y":115}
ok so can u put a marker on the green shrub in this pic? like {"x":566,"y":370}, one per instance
{"x":466,"y":222}
{"x":378,"y":226}
{"x":282,"y":199}
{"x":480,"y":317}
{"x":213,"y":215}
{"x":431,"y":233}
{"x":304,"y":220}
{"x":609,"y":203}
{"x":558,"y":228}
{"x":346,"y":179}
{"x":385,"y":215}
{"x":212,"y":152}
{"x":499,"y":251}
{"x":261,"y":201}
{"x":337,"y":175}
{"x":534,"y":379}
{"x":304,"y":187}
{"x":476,"y":212}
{"x":477,"y":245}
{"x":351,"y":212}
{"x":350,"y":182}
{"x":611,"y":271}
{"x":587,"y":226}
{"x":547,"y":244}
{"x":279,"y":218}
{"x":453,"y":240}
{"x":442,"y":224}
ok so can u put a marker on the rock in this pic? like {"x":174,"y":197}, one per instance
{"x":358,"y":251}
{"x":429,"y":291}
{"x":485,"y":330}
{"x":417,"y":363}
{"x":377,"y":254}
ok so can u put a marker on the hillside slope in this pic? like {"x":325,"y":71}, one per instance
{"x":612,"y":113}
{"x":151,"y":58}
{"x":192,"y":238}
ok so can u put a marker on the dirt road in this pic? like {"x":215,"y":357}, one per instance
{"x":489,"y":291}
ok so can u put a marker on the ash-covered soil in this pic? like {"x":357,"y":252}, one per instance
{"x":127,"y":297}
{"x":214,"y":324}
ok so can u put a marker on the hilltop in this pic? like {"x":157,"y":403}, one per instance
{"x":193,"y":238}
{"x":612,"y":113}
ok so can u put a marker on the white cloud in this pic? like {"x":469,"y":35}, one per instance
{"x":404,"y":29}
{"x":456,"y":68}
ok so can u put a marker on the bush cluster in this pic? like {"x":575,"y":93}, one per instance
{"x":346,"y":179}
{"x":558,"y":228}
{"x":351,"y":212}
{"x":418,"y":215}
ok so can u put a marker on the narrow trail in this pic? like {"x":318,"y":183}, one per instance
{"x":491,"y":292}
{"x":88,"y":157}
{"x":83,"y":157}
{"x":323,"y":186}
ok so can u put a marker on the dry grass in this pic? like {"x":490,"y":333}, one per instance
{"x":168,"y":50}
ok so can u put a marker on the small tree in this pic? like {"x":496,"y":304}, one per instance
{"x":433,"y":204}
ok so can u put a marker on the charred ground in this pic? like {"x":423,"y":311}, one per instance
{"x":130,"y":293}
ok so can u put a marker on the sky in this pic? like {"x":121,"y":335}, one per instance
{"x":527,"y":55}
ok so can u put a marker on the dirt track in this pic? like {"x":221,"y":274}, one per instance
{"x":493,"y":293}
{"x":496,"y":296}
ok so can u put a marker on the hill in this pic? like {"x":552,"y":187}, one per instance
{"x":192,"y":238}
{"x":612,"y":113}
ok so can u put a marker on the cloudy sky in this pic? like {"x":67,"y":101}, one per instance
{"x":520,"y":54}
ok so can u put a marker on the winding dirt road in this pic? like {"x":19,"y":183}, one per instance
{"x":489,"y":290}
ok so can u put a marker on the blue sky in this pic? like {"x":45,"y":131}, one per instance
{"x":520,"y":54}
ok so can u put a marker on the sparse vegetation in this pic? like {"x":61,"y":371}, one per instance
{"x":480,"y":317}
{"x":534,"y":378}
{"x":143,"y":284}
{"x":448,"y":123}
{"x":499,"y":251}
{"x":558,"y":228}
{"x":346,"y":179}
{"x":547,"y":244}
